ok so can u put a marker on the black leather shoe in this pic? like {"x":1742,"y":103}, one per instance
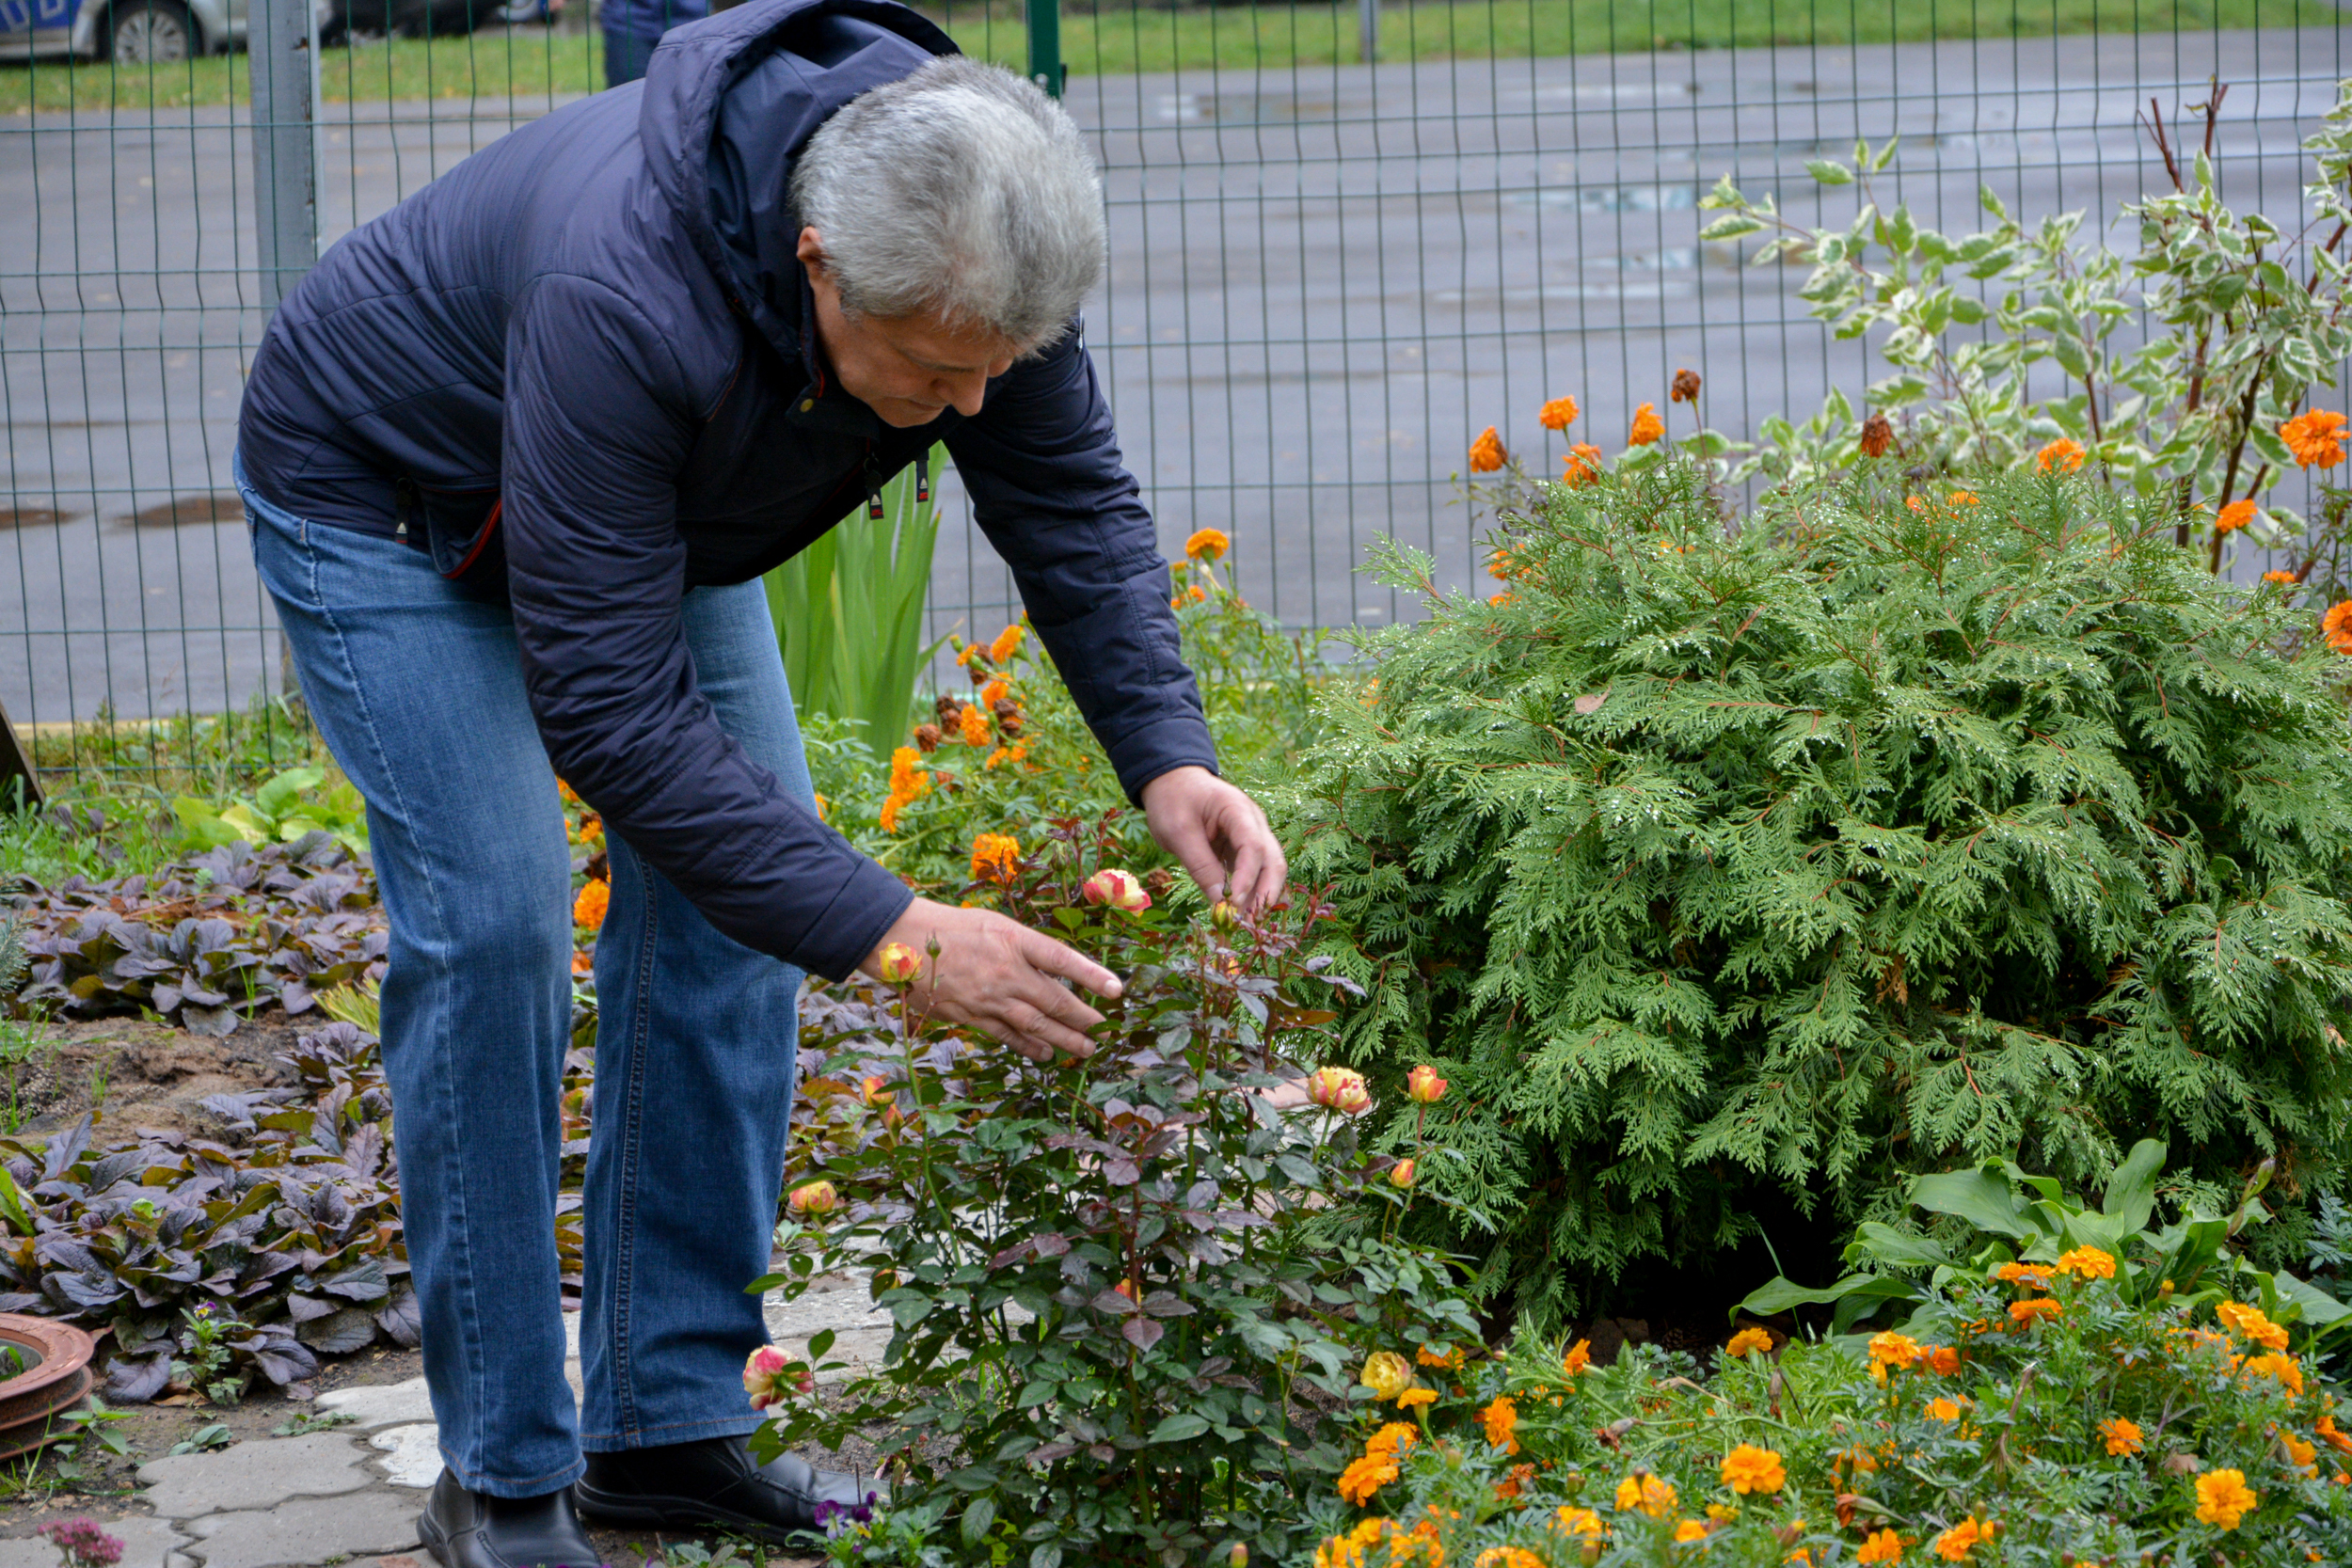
{"x":467,"y":1529}
{"x":716,"y":1485}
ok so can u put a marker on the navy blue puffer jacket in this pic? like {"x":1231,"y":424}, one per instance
{"x":580,"y":368}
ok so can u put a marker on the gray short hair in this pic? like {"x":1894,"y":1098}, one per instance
{"x":960,"y":191}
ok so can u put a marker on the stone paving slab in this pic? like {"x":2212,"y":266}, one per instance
{"x":383,"y":1404}
{"x":146,"y":1544}
{"x":253,"y":1475}
{"x":307,"y":1530}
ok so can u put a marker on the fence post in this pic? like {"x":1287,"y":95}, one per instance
{"x":1368,"y":28}
{"x":282,"y":58}
{"x":1045,"y":67}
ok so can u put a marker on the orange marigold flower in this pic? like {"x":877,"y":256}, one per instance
{"x":1391,"y":1440}
{"x":2340,"y":1441}
{"x":1582,"y":465}
{"x":2061,"y":456}
{"x":1487,"y":453}
{"x":2315,"y":438}
{"x":2248,"y":1322}
{"x":2337,"y":626}
{"x":1007,"y":643}
{"x":2279,"y":576}
{"x":1557,"y":414}
{"x":1498,"y":600}
{"x":1962,"y":1538}
{"x":2033,"y":1276}
{"x":589,"y":907}
{"x":1502,"y":1420}
{"x":1890,"y":1349}
{"x":582,"y":963}
{"x":1365,"y":1476}
{"x":971,"y":725}
{"x":1573,"y":1521}
{"x":1445,"y":1357}
{"x":2123,"y":1438}
{"x":2040,"y":1306}
{"x":889,"y":815}
{"x":1509,"y":1557}
{"x":1413,"y":1398}
{"x":1961,"y":498}
{"x":1941,"y":1409}
{"x":2223,"y":1497}
{"x":1749,"y":1469}
{"x":994,"y":692}
{"x":2300,"y":1453}
{"x":1207,"y":544}
{"x":1643,"y":1493}
{"x":2283,"y":1370}
{"x":1196,"y":594}
{"x":1578,"y":1358}
{"x":1648,"y":426}
{"x":1693,"y":1530}
{"x":993,"y":856}
{"x":1944,"y":1360}
{"x":2087,"y":1262}
{"x":1885,"y":1547}
{"x":2234,"y":516}
{"x":1749,"y":1341}
{"x":1915,"y":503}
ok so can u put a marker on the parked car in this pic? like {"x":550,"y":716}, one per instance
{"x":413,"y":19}
{"x":132,"y":31}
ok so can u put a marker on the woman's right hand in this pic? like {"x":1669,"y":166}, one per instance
{"x":996,"y":975}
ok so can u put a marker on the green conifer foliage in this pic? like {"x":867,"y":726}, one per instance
{"x":1728,"y":875}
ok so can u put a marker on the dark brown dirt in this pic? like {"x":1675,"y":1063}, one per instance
{"x":139,"y":1075}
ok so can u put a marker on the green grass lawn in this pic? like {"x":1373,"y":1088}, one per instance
{"x":534,"y":62}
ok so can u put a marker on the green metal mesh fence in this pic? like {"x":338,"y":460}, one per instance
{"x":1326,"y":275}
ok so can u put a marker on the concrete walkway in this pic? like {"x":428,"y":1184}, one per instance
{"x":351,"y":1494}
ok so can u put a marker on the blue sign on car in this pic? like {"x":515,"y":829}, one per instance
{"x":25,"y":16}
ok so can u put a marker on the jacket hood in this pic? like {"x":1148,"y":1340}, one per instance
{"x":730,"y":101}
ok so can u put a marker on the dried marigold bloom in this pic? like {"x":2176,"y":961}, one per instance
{"x":927,"y":737}
{"x":1686,"y":387}
{"x":2061,"y":456}
{"x":2315,"y":438}
{"x":949,"y":709}
{"x":589,"y":907}
{"x":2337,"y":625}
{"x":1877,"y":435}
{"x":1648,"y":426}
{"x":1486,"y":454}
{"x":1558,"y":414}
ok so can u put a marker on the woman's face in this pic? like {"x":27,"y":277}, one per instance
{"x":908,"y":370}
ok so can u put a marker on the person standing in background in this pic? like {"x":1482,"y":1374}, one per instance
{"x":633,"y":27}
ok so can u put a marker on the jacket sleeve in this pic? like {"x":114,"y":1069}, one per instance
{"x":1041,"y":463}
{"x":600,"y":418}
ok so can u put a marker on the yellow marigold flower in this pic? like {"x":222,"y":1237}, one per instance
{"x":1749,"y":1341}
{"x":1577,"y":1358}
{"x":1007,"y":644}
{"x":1648,"y":426}
{"x":2123,"y":1438}
{"x":1748,"y":1469}
{"x":589,"y":907}
{"x":1693,"y":1530}
{"x":1890,"y":1349}
{"x":1365,"y":1476}
{"x":2337,"y":625}
{"x":2027,"y":1311}
{"x":1962,"y":1538}
{"x":2282,"y":1370}
{"x":1557,"y":414}
{"x":1575,"y":1521}
{"x":2087,"y":1262}
{"x":1386,"y":1373}
{"x":1207,"y":544}
{"x":1942,"y":1409}
{"x":993,"y":856}
{"x":2250,"y":1323}
{"x":2223,"y":1497}
{"x":2061,"y":457}
{"x":1486,"y":454}
{"x":1413,"y":1398}
{"x":1582,"y":465}
{"x":1885,"y":1547}
{"x":1643,"y":1493}
{"x":972,"y":725}
{"x":2234,"y":516}
{"x":2315,"y":438}
{"x":2278,"y":577}
{"x":1502,"y":1420}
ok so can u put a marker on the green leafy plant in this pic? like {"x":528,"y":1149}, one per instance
{"x":849,"y":613}
{"x":1120,"y":1288}
{"x":205,"y":1359}
{"x":1738,"y":879}
{"x":292,"y":805}
{"x":2002,"y":341}
{"x":90,"y":1429}
{"x":2003,"y":1216}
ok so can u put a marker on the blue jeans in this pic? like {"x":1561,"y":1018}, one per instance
{"x":418,"y":691}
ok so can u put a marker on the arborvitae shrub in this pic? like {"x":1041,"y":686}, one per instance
{"x":1735,"y":878}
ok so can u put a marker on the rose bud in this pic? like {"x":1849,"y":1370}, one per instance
{"x":1339,"y":1088}
{"x":769,"y":1378}
{"x":1403,"y":1175}
{"x":877,"y":1091}
{"x":1224,"y":916}
{"x":813,"y":1197}
{"x":900,"y":963}
{"x":1119,"y":889}
{"x":1386,"y":1373}
{"x":1424,"y":1084}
